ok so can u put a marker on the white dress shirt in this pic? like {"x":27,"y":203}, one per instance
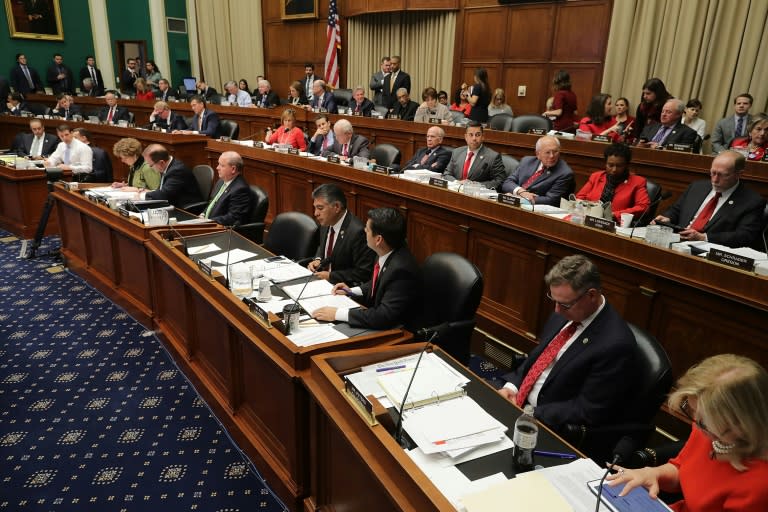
{"x":242,"y":99}
{"x":80,"y":156}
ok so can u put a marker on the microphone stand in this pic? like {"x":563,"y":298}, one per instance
{"x":399,"y":427}
{"x":662,"y":197}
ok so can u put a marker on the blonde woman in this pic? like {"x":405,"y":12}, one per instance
{"x":140,"y":174}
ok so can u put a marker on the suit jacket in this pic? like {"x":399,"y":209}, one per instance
{"x":736,"y":224}
{"x":725,"y":132}
{"x":351,"y":260}
{"x":65,"y":114}
{"x":555,"y":183}
{"x":389,"y":92}
{"x":629,"y":196}
{"x":358,"y":146}
{"x":5,"y":90}
{"x":174,"y":122}
{"x":127,"y":80}
{"x":487,"y":166}
{"x":377,"y":86}
{"x":234,"y":205}
{"x":680,"y":134}
{"x":102,"y":166}
{"x":169,"y":92}
{"x":316,"y":146}
{"x":405,"y":112}
{"x":210,"y":124}
{"x":267,"y":100}
{"x":437,"y":161}
{"x":209,"y":92}
{"x":121,"y":114}
{"x":308,"y":90}
{"x":365,"y":107}
{"x":588,"y":384}
{"x":22,"y":144}
{"x":177,"y":186}
{"x":396,"y":297}
{"x":99,"y":88}
{"x":19,"y":81}
{"x":66,"y":84}
{"x":328,"y":103}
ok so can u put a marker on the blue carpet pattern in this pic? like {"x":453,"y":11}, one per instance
{"x":95,"y":415}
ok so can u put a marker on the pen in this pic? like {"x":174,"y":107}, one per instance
{"x":390,"y":368}
{"x":557,"y":455}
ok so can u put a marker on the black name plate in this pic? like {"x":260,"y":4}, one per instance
{"x":537,"y":131}
{"x":510,"y":200}
{"x":258,"y":145}
{"x":256,"y":310}
{"x":600,"y":223}
{"x":334,"y":159}
{"x":434,"y":120}
{"x":357,"y":113}
{"x":382,"y":169}
{"x":732,"y":260}
{"x":358,"y":396}
{"x":682,"y":148}
{"x":293,"y":151}
{"x":438,"y":182}
{"x":601,"y":138}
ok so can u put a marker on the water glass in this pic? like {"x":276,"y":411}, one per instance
{"x":242,"y":284}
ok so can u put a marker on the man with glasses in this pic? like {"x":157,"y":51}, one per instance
{"x":581,"y":370}
{"x":177,"y":183}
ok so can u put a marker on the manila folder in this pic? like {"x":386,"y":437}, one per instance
{"x":528,"y":492}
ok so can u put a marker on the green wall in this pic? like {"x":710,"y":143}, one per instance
{"x":129,"y":21}
{"x":178,"y":44}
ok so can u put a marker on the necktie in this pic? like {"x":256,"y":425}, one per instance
{"x":200,"y":123}
{"x":425,"y":157}
{"x":66,"y":154}
{"x":325,"y":142}
{"x":739,"y":126}
{"x":375,"y":278}
{"x":109,"y":116}
{"x":215,"y":198}
{"x":467,"y":165}
{"x":392,"y":82}
{"x":93,"y":77}
{"x":660,"y":135}
{"x":706,"y":213}
{"x":37,"y":145}
{"x":344,"y":150}
{"x":544,"y":360}
{"x":329,"y":245}
{"x":530,"y":181}
{"x":29,"y":77}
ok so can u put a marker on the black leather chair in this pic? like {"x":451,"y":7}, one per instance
{"x":229,"y":128}
{"x":456,"y":286}
{"x":502,"y":122}
{"x":521,"y":124}
{"x":188,"y":121}
{"x":386,"y":155}
{"x":510,"y":163}
{"x":342,"y":97}
{"x":293,"y":235}
{"x":216,"y":99}
{"x":654,"y":193}
{"x":254,"y":229}
{"x":381,"y":109}
{"x":457,"y":116}
{"x":204,"y":177}
{"x":37,"y":109}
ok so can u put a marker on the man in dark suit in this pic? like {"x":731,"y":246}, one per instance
{"x":232,"y":200}
{"x":722,"y":210}
{"x":396,"y":80}
{"x":476,"y":162}
{"x":322,"y":99}
{"x":15,"y":104}
{"x":25,"y":79}
{"x":323,"y":138}
{"x":164,"y":91}
{"x":5,"y":90}
{"x":129,"y":76}
{"x":393,"y":293}
{"x":404,"y":108}
{"x":671,"y":130}
{"x":91,"y":71}
{"x":434,"y":157}
{"x":266,"y":97}
{"x":734,"y":126}
{"x":377,"y":80}
{"x":308,"y":79}
{"x":112,"y":113}
{"x":343,"y":255}
{"x":164,"y":118}
{"x":582,"y":368}
{"x":347,"y":143}
{"x":37,"y":144}
{"x":177,"y":183}
{"x":542,"y":179}
{"x":62,"y":108}
{"x":205,"y":91}
{"x":59,"y":76}
{"x":204,"y":122}
{"x":360,"y":105}
{"x":102,"y":164}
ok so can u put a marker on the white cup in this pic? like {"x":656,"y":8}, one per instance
{"x":683,"y":248}
{"x":242,"y":283}
{"x":626,"y":220}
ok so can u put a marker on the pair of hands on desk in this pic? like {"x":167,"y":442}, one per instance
{"x":327,"y":313}
{"x":687,"y":235}
{"x":323,"y":274}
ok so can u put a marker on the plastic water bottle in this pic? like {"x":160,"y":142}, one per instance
{"x":525,"y":437}
{"x":577,"y":217}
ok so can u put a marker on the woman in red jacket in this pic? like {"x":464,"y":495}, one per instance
{"x":287,"y":133}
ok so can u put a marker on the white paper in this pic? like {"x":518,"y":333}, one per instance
{"x":233,"y":256}
{"x":570,"y":481}
{"x":316,"y":334}
{"x":196,"y":220}
{"x":313,"y":289}
{"x":203,"y":249}
{"x":335,"y":301}
{"x":282,"y":273}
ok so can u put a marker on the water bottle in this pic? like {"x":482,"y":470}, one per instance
{"x":577,"y":217}
{"x":525,"y":436}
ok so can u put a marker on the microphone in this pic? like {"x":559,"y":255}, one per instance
{"x":287,"y":130}
{"x":399,"y":427}
{"x":621,"y":452}
{"x":229,"y":246}
{"x":174,"y":234}
{"x":664,"y":196}
{"x":439,"y":330}
{"x":323,"y":264}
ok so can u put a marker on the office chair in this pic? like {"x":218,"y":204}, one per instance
{"x":386,"y":155}
{"x":457,"y":116}
{"x":654,"y":193}
{"x":204,"y":177}
{"x":522,"y":124}
{"x":216,"y":99}
{"x":342,"y":97}
{"x":131,"y":117}
{"x":253,"y":230}
{"x":293,"y":235}
{"x":510,"y":163}
{"x":456,"y":286}
{"x":381,"y":109}
{"x":502,"y":122}
{"x":37,"y":109}
{"x":229,"y":128}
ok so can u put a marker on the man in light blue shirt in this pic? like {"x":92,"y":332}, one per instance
{"x":237,"y":96}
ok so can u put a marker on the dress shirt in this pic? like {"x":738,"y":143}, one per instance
{"x":36,"y":149}
{"x":342,"y":314}
{"x":724,"y":195}
{"x":80,"y":156}
{"x":336,"y":230}
{"x":242,"y":99}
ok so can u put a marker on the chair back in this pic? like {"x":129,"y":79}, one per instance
{"x":501,"y":122}
{"x":188,"y":120}
{"x":655,"y":378}
{"x":204,"y":177}
{"x":381,"y":109}
{"x":216,"y":99}
{"x":521,"y":124}
{"x":253,"y":230}
{"x":510,"y":163}
{"x":37,"y":109}
{"x":342,"y":97}
{"x":654,"y":194}
{"x":457,"y":116}
{"x":386,"y":155}
{"x":229,"y":128}
{"x":293,"y":235}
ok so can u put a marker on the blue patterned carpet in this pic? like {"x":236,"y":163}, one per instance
{"x":94,"y":414}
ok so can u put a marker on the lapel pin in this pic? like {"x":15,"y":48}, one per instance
{"x":730,"y":201}
{"x":585,"y":341}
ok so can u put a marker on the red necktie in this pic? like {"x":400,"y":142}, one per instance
{"x":705,"y":214}
{"x":344,"y":150}
{"x":329,"y":245}
{"x":533,"y":178}
{"x":375,"y":278}
{"x":109,"y":117}
{"x":467,"y":164}
{"x":325,"y":142}
{"x":544,"y":360}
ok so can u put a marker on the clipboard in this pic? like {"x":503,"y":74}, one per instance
{"x":638,"y":500}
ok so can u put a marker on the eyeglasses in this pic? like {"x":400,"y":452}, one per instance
{"x":570,"y":304}
{"x":684,"y":408}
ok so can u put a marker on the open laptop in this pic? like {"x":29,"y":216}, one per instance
{"x":190,"y":83}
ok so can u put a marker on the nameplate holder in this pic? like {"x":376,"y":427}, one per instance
{"x":356,"y":113}
{"x":334,"y":159}
{"x":601,"y":138}
{"x":600,"y":223}
{"x":205,"y":268}
{"x":681,"y":148}
{"x":393,"y":116}
{"x":438,"y":182}
{"x":434,"y":120}
{"x":260,"y":313}
{"x":258,"y":145}
{"x":732,"y":260}
{"x":376,"y":114}
{"x":537,"y":131}
{"x":363,"y":404}
{"x":323,"y":110}
{"x":382,"y":169}
{"x":123,"y":212}
{"x":293,"y":151}
{"x":508,"y":200}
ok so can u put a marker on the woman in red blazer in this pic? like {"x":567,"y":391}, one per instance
{"x":287,"y":133}
{"x":624,"y":190}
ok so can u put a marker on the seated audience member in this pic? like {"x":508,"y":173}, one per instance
{"x":721,"y":210}
{"x":266,"y":97}
{"x":205,"y":91}
{"x":616,"y":185}
{"x":296,"y":94}
{"x":71,"y":154}
{"x":392,"y":296}
{"x":691,"y":117}
{"x":582,"y":369}
{"x":164,"y":118}
{"x":564,"y":104}
{"x":288,"y":132}
{"x":35,"y":145}
{"x":625,"y":123}
{"x":178,"y":185}
{"x":323,"y":138}
{"x":498,"y":104}
{"x":141,"y":175}
{"x":434,"y":157}
{"x":74,"y":109}
{"x":164,"y":91}
{"x":237,"y":96}
{"x":15,"y":104}
{"x":599,"y":120}
{"x":461,"y":101}
{"x":476,"y":162}
{"x":542,"y":179}
{"x":360,"y":104}
{"x":343,"y":254}
{"x":757,"y":142}
{"x":654,"y":96}
{"x":670,"y":130}
{"x":102,"y":164}
{"x":404,"y":107}
{"x":432,"y":109}
{"x":442,"y":98}
{"x":61,"y":109}
{"x":242,"y":84}
{"x":112,"y":113}
{"x":143,"y":90}
{"x":347,"y":144}
{"x":322,"y":99}
{"x":88,"y":88}
{"x":204,"y":122}
{"x":232,"y":200}
{"x":724,"y":464}
{"x":734,"y":126}
{"x":479,"y":96}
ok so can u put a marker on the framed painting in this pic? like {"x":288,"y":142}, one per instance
{"x":34,"y":19}
{"x":297,"y":9}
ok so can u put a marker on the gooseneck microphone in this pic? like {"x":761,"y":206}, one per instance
{"x":399,"y":427}
{"x":621,"y":452}
{"x":664,"y":196}
{"x":229,"y":247}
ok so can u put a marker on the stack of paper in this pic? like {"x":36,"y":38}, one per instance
{"x":528,"y":492}
{"x":317,"y":294}
{"x":434,"y":381}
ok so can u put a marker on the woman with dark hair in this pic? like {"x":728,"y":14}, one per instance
{"x":461,"y":100}
{"x":691,"y":117}
{"x":754,"y":146}
{"x":616,"y":185}
{"x":563,"y":103}
{"x":242,"y":84}
{"x":153,"y":75}
{"x":599,"y":120}
{"x":625,"y":123}
{"x":655,"y":95}
{"x":480,"y":96}
{"x":296,"y":94}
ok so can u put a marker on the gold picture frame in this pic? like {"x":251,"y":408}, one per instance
{"x":34,"y":19}
{"x":298,"y":9}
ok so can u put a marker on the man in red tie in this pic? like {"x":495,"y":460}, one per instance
{"x":582,"y":369}
{"x":721,"y":210}
{"x":347,"y":144}
{"x":392,"y":295}
{"x":112,"y":112}
{"x":541,"y":179}
{"x":476,"y":162}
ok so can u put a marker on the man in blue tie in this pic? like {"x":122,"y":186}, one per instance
{"x":733,"y":126}
{"x":71,"y":154}
{"x":671,"y":130}
{"x":25,"y":79}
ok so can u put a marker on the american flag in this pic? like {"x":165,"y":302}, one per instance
{"x":332,"y":47}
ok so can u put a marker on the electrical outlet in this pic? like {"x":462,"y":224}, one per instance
{"x":521,"y":90}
